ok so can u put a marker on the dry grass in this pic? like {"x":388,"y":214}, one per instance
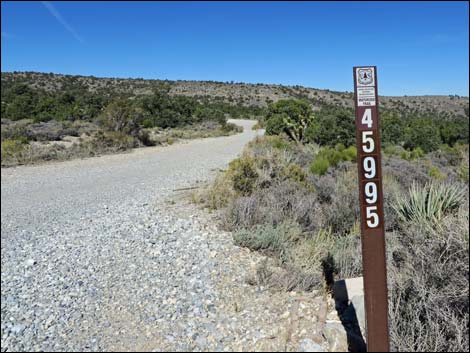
{"x":428,"y":274}
{"x":195,"y":131}
{"x":101,"y":143}
{"x":428,"y":257}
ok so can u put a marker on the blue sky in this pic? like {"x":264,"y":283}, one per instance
{"x":419,"y":47}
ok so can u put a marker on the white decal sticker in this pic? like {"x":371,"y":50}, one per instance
{"x":365,"y":77}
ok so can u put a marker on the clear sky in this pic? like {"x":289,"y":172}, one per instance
{"x":419,"y":47}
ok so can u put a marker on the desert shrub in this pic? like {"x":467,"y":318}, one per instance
{"x":14,"y":130}
{"x":330,"y":157}
{"x":49,"y":131}
{"x":392,"y":190}
{"x":428,"y":284}
{"x":259,"y":125}
{"x":346,"y":254}
{"x":121,"y":116}
{"x":29,"y":154}
{"x":10,"y":149}
{"x":450,"y":156}
{"x":422,"y":133}
{"x":332,"y":125}
{"x":289,"y":116}
{"x":278,"y":142}
{"x":308,"y":254}
{"x":275,"y":125}
{"x":463,"y":172}
{"x":415,"y":153}
{"x":147,"y":123}
{"x":342,"y":210}
{"x":208,"y":113}
{"x":456,"y":156}
{"x":144,"y":138}
{"x":275,"y":239}
{"x":405,"y":172}
{"x":299,"y":254}
{"x":350,"y":154}
{"x":219,"y":193}
{"x":392,"y":126}
{"x":243,"y":174}
{"x":455,"y":131}
{"x":435,"y":173}
{"x":429,"y":202}
{"x":282,"y":201}
{"x":230,"y":127}
{"x":319,"y":166}
{"x":84,"y":127}
{"x":324,"y":187}
{"x":286,"y":278}
{"x":392,"y":150}
{"x":295,"y":173}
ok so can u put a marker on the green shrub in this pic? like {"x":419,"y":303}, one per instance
{"x":111,"y":141}
{"x":413,"y":154}
{"x":147,"y":123}
{"x":332,"y":125}
{"x":144,"y":138}
{"x":319,"y":166}
{"x":392,"y":150}
{"x":219,"y":193}
{"x":295,"y":173}
{"x":257,"y":126}
{"x":243,"y":174}
{"x":230,"y":127}
{"x":429,"y":202}
{"x":340,"y":147}
{"x":278,"y":142}
{"x":290,"y":116}
{"x":11,"y":148}
{"x":422,"y":133}
{"x":121,"y":116}
{"x":328,"y":156}
{"x":274,"y":239}
{"x":308,"y":254}
{"x":463,"y":172}
{"x":350,"y":154}
{"x":332,"y":155}
{"x":435,"y":173}
{"x":275,"y":125}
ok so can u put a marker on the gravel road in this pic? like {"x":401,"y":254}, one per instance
{"x":102,"y":254}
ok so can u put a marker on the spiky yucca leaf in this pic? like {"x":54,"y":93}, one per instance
{"x":429,"y":202}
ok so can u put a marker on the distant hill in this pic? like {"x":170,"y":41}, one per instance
{"x":245,"y":94}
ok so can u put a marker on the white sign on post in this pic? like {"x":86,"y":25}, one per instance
{"x":365,"y":87}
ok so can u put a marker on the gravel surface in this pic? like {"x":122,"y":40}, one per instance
{"x":106,"y":254}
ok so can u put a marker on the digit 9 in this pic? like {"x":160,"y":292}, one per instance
{"x":369,"y":166}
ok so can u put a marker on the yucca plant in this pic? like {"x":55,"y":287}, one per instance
{"x":429,"y":202}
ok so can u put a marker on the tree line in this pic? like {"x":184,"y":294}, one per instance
{"x":333,"y":125}
{"x":159,"y":109}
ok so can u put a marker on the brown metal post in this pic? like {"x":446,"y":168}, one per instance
{"x":371,"y":205}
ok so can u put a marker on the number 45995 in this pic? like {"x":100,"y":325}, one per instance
{"x":369,"y":167}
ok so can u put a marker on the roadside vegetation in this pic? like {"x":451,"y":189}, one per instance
{"x":40,"y":125}
{"x":293,"y":196}
{"x":45,"y":114}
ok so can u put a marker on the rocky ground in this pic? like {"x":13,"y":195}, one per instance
{"x":110,"y":254}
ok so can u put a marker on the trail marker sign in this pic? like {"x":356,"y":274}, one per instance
{"x":371,"y":205}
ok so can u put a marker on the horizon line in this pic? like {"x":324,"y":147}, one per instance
{"x":230,"y":82}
